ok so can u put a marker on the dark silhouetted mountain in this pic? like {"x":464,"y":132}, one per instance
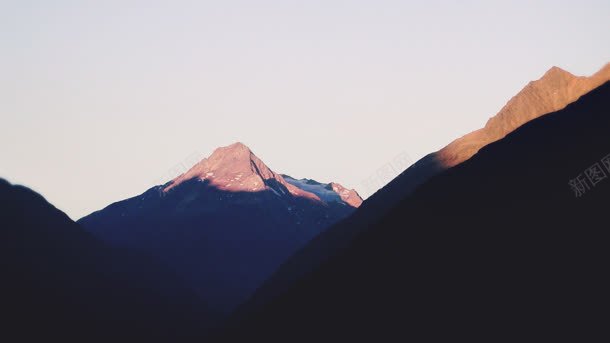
{"x":553,"y":91}
{"x":60,"y":283}
{"x":503,"y":246}
{"x":225,"y":225}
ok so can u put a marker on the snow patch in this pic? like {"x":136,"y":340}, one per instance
{"x":319,"y":189}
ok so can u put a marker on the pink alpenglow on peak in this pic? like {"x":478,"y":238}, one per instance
{"x":235,"y":168}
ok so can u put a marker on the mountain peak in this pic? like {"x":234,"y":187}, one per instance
{"x":231,"y":154}
{"x":555,"y":70}
{"x":236,"y":168}
{"x":237,"y":146}
{"x":556,"y":75}
{"x":553,"y":91}
{"x":235,"y":150}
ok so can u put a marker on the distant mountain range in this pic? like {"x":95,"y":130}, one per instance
{"x":510,"y":243}
{"x":553,"y":91}
{"x":226,"y":224}
{"x":59,"y":282}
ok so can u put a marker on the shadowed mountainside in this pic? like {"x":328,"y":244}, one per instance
{"x":497,"y":247}
{"x":60,"y":283}
{"x":553,"y":91}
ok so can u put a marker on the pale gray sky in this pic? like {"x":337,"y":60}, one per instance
{"x":100,"y":99}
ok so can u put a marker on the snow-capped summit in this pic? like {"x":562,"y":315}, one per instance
{"x":236,"y":168}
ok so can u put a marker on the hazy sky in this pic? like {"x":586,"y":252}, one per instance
{"x":101,"y":99}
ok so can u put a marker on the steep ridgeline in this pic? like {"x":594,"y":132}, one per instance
{"x":511,"y":243}
{"x":555,"y":90}
{"x":60,"y":283}
{"x":225,"y":225}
